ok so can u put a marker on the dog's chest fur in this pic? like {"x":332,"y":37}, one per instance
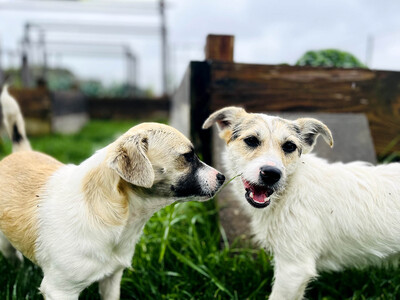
{"x":342,"y":214}
{"x":87,"y":236}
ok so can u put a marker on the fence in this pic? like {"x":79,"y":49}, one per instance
{"x":68,"y":111}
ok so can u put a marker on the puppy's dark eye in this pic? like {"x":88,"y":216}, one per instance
{"x":189,"y":157}
{"x":252,"y":141}
{"x":289,"y":147}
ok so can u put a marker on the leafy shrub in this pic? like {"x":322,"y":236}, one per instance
{"x":330,"y":58}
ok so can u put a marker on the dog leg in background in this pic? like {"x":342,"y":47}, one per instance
{"x":13,"y":121}
{"x":9,"y":252}
{"x":109,"y":287}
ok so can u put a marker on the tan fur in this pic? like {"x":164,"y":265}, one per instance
{"x":130,"y":156}
{"x":132,"y":152}
{"x":22,"y":177}
{"x":270,"y":140}
{"x":235,"y":121}
{"x":226,"y":135}
{"x":129,"y":160}
{"x":102,"y":183}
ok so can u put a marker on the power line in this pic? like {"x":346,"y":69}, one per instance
{"x":99,"y":28}
{"x":102,"y":7}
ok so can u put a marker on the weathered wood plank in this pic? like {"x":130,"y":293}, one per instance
{"x":144,"y":109}
{"x":34,"y":102}
{"x":35,"y":105}
{"x":290,"y":89}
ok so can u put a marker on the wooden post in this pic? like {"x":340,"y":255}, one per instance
{"x":219,"y":47}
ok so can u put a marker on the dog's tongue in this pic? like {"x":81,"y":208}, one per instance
{"x":258,"y":194}
{"x":260,"y":198}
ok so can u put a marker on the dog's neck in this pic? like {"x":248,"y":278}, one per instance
{"x":111,"y":198}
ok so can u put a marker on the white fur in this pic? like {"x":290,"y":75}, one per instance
{"x":12,"y":116}
{"x":330,"y":216}
{"x":322,"y":216}
{"x":84,"y":253}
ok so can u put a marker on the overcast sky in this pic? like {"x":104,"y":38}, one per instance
{"x":266,"y":32}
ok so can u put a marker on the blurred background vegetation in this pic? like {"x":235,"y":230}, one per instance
{"x":62,"y":79}
{"x":332,"y":58}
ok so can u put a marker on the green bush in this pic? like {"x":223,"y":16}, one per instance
{"x":329,"y":58}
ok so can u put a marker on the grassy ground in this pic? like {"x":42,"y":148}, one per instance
{"x":179,"y":256}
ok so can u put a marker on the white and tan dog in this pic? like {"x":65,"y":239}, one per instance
{"x":80,"y":223}
{"x":312,"y":215}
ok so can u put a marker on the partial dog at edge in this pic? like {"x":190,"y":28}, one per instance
{"x":80,"y":223}
{"x":312,"y":215}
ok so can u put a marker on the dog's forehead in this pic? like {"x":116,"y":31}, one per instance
{"x":277,"y":124}
{"x":161,"y":135}
{"x":172,"y":138}
{"x":262,"y":125}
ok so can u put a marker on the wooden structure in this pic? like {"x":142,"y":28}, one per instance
{"x":68,"y":111}
{"x":138,"y":108}
{"x":45,"y":111}
{"x":35,"y":104}
{"x":213,"y":84}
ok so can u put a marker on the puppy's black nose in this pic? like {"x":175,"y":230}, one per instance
{"x":220,"y":178}
{"x":270,"y":175}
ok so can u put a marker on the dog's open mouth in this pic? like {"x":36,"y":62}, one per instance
{"x":256,"y":195}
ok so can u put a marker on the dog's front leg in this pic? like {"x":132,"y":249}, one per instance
{"x":109,"y":287}
{"x":54,"y":287}
{"x":291,"y":279}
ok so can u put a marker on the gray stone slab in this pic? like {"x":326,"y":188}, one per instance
{"x":351,"y":135}
{"x":68,"y":124}
{"x":352,"y":141}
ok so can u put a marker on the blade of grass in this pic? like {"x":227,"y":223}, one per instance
{"x":200,"y":270}
{"x":164,"y":241}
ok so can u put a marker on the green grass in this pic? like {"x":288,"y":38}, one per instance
{"x":179,"y":255}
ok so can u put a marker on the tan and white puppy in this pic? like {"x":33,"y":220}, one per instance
{"x":80,"y":223}
{"x":311,"y":214}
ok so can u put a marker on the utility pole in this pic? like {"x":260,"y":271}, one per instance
{"x":164,"y":54}
{"x":369,"y":50}
{"x":42,"y":44}
{"x":25,"y":76}
{"x":131,"y":64}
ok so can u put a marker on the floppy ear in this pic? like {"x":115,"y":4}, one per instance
{"x":310,"y":129}
{"x":130,"y":161}
{"x":225,"y":119}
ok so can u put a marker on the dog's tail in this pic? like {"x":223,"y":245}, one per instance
{"x":13,"y":121}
